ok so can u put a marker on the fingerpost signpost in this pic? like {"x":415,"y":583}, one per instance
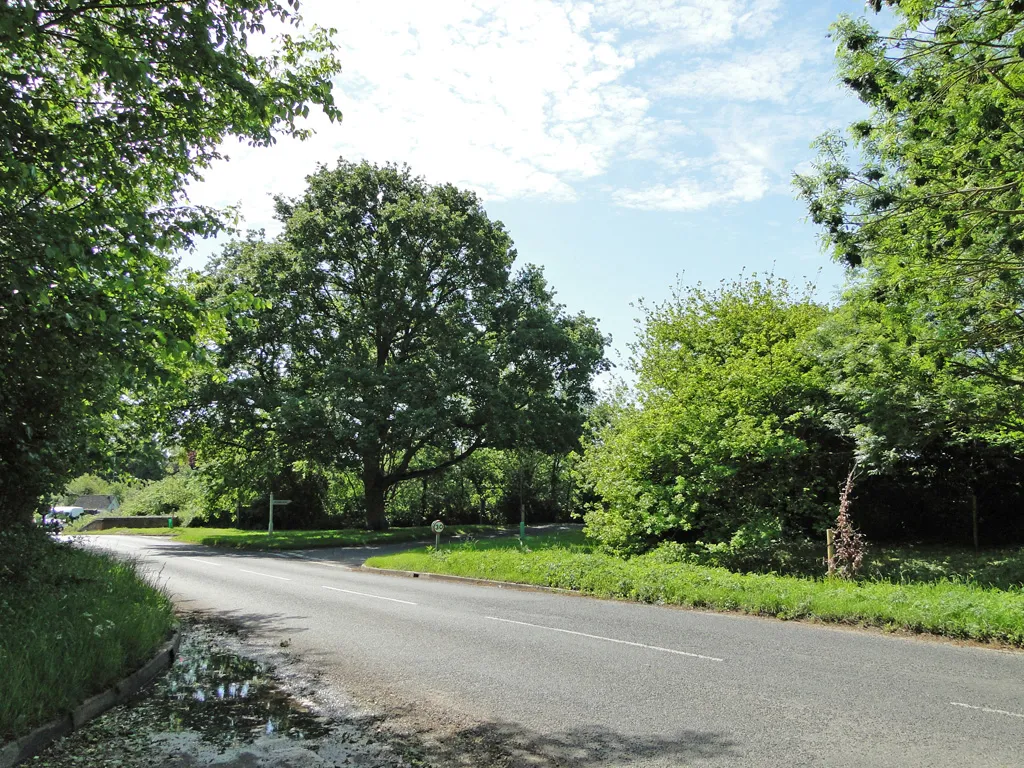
{"x":275,"y":503}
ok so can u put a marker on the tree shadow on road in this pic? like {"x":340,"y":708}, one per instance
{"x":507,"y":745}
{"x":241,"y":623}
{"x":432,"y":733}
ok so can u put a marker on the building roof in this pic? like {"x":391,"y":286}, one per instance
{"x":102,"y":503}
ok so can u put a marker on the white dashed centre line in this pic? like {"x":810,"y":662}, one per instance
{"x":608,"y":639}
{"x":365,"y":594}
{"x":986,"y":709}
{"x":204,"y":562}
{"x":268,"y":575}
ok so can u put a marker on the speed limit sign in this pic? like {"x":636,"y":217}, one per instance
{"x":437,"y":526}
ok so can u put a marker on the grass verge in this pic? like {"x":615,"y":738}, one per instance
{"x":234,"y":538}
{"x":943,"y":607}
{"x":73,"y":623}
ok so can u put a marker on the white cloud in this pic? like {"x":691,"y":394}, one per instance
{"x":537,"y":99}
{"x":734,"y":180}
{"x":768,"y":75}
{"x":751,"y":155}
{"x":682,"y":24}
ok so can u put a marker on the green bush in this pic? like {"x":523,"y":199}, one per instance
{"x":86,"y":485}
{"x":727,"y":440}
{"x":179,"y":495}
{"x":756,"y":548}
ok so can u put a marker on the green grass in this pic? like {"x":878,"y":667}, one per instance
{"x":1002,"y":568}
{"x":234,"y":538}
{"x":73,"y":623}
{"x":943,"y":603}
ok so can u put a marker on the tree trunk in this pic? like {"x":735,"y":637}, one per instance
{"x":374,"y":493}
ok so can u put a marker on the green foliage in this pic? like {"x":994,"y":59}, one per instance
{"x":73,"y":624}
{"x":388,"y":336}
{"x":86,"y":485}
{"x":953,"y":609}
{"x":928,"y":345}
{"x":107,"y":110}
{"x":488,"y":487}
{"x":179,"y":495}
{"x":235,"y":538}
{"x":728,"y":439}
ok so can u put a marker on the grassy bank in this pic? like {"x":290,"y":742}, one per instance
{"x":941,"y":606}
{"x":73,"y":623}
{"x":234,"y":538}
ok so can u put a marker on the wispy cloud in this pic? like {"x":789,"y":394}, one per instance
{"x":541,"y":98}
{"x":772,"y":74}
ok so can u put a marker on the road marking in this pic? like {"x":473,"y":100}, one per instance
{"x":324,"y":562}
{"x":986,"y":709}
{"x":364,"y":594}
{"x":268,"y":575}
{"x":608,"y":639}
{"x":309,"y":559}
{"x":204,"y":562}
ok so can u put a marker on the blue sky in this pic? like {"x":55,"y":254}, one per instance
{"x":625,"y":144}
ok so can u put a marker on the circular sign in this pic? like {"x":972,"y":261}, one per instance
{"x":437,"y":526}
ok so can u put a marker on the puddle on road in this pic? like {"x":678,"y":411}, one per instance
{"x":214,"y":707}
{"x":226,"y":699}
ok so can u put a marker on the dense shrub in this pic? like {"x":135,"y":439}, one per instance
{"x":728,"y":438}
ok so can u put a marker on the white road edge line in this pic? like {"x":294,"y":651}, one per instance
{"x":608,"y":639}
{"x":268,"y":575}
{"x":986,"y":709}
{"x":204,"y":562}
{"x":364,"y":594}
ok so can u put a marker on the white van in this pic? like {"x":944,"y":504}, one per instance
{"x":70,"y":513}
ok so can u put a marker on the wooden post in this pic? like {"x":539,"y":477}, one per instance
{"x":830,"y":543}
{"x":974,"y":518}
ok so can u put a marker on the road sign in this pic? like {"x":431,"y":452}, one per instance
{"x":437,"y":526}
{"x":275,"y":503}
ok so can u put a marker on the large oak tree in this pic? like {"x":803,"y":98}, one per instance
{"x":387,"y":321}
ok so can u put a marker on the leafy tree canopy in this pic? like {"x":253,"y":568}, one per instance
{"x":728,"y":436}
{"x":389,"y":327}
{"x":107,"y":109}
{"x":930,"y":219}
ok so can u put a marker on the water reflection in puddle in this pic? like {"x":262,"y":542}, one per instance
{"x":227,"y":698}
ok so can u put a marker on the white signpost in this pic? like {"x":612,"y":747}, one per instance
{"x":437,"y":526}
{"x":275,"y":503}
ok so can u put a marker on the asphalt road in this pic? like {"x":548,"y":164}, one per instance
{"x":579,"y":681}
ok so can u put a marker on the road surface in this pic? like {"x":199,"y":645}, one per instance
{"x":577,"y":681}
